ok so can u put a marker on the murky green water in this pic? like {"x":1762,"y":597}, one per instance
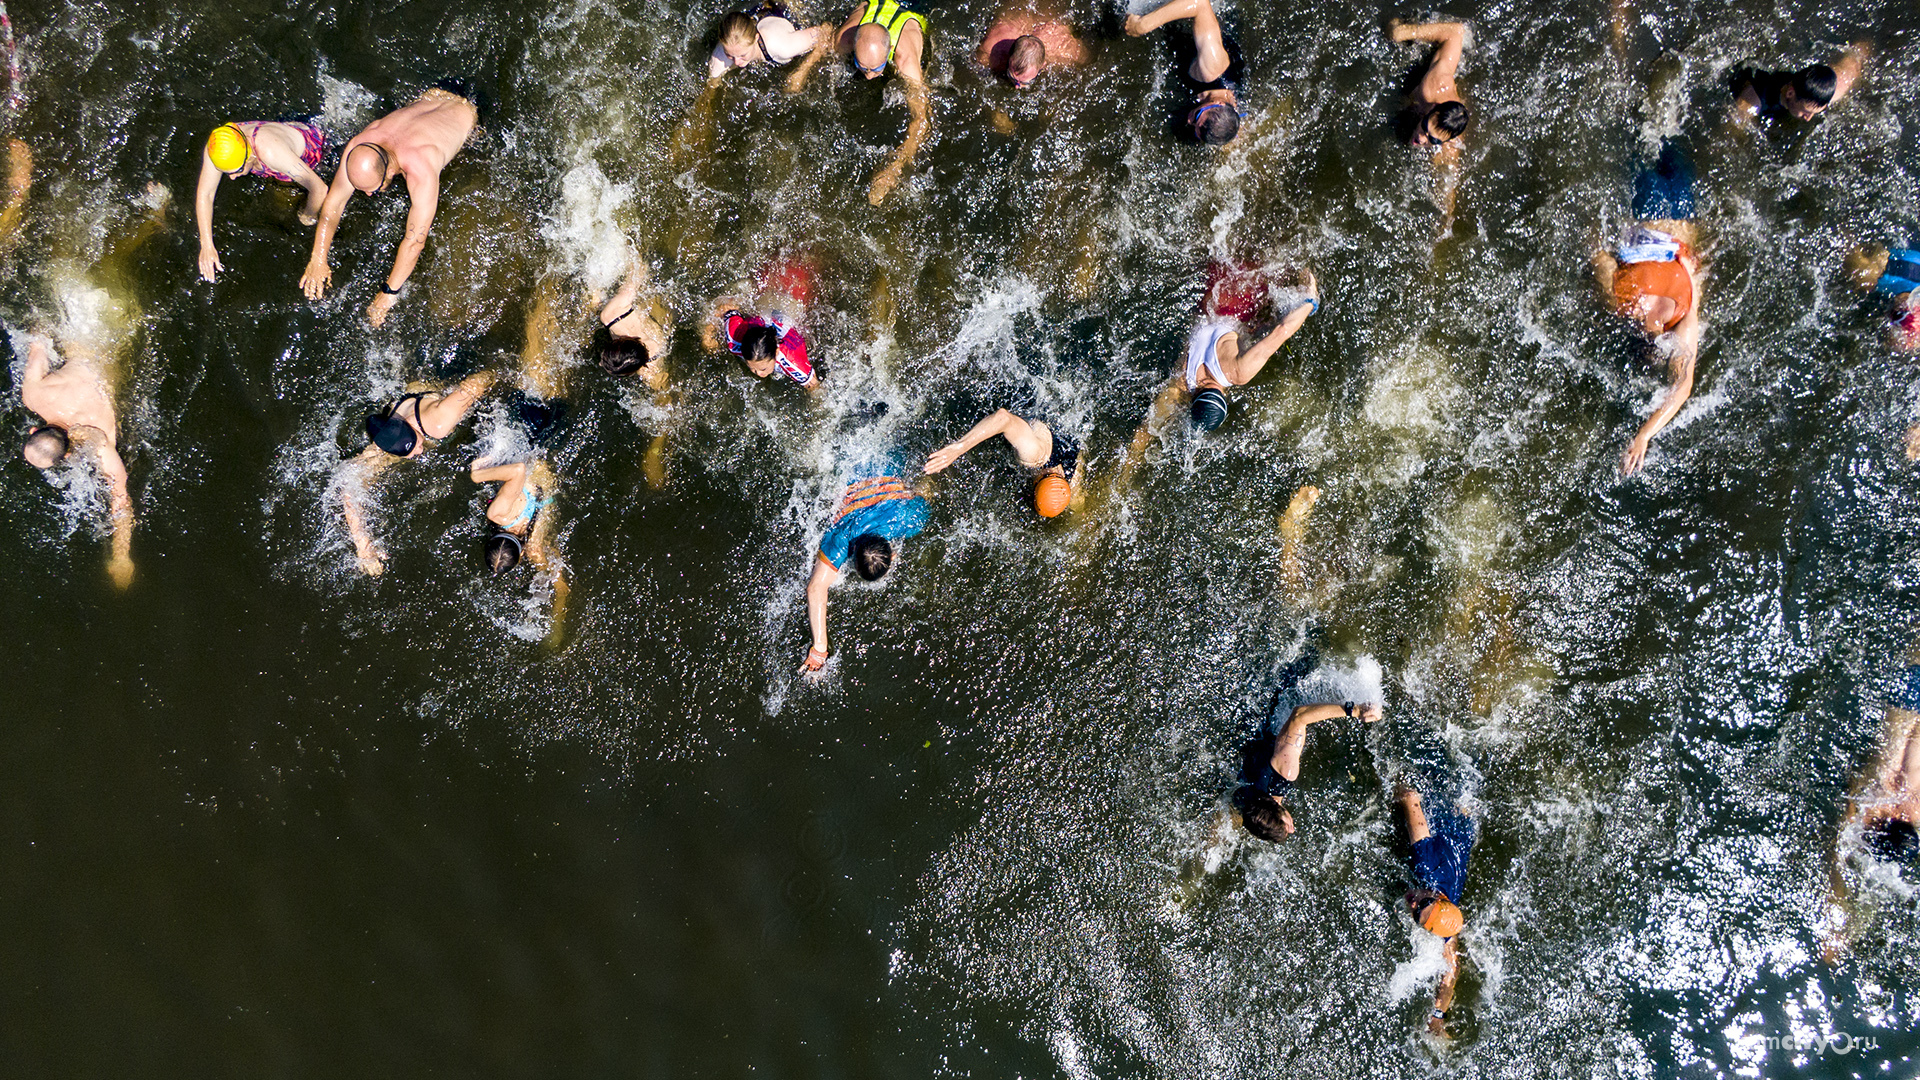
{"x":263,"y":817}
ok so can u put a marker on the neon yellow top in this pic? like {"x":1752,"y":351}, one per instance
{"x":894,"y":16}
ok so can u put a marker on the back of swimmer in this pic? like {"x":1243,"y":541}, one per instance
{"x":287,"y":152}
{"x":768,"y":345}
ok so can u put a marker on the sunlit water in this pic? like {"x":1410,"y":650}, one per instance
{"x":267,"y":817}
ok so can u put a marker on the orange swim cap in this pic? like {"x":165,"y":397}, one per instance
{"x":1442,"y":918}
{"x":1051,"y":494}
{"x":227,"y":148}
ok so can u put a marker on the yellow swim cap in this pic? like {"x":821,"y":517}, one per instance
{"x":1442,"y":918}
{"x":227,"y":148}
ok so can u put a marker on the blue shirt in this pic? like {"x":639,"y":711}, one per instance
{"x":882,"y":507}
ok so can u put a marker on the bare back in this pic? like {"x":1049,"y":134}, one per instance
{"x":74,"y":395}
{"x":425,"y":135}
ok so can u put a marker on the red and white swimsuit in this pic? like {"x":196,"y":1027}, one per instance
{"x":790,"y":358}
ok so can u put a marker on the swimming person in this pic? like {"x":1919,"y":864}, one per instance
{"x":75,"y":404}
{"x":1653,"y":278}
{"x":878,"y":33}
{"x":1052,"y":459}
{"x":405,"y":429}
{"x":416,"y":143}
{"x":632,"y":339}
{"x":1269,"y":775}
{"x":1218,"y":360}
{"x":1020,"y":45}
{"x":875,"y":513}
{"x":1442,"y":839}
{"x":1434,"y":116}
{"x":768,"y":35}
{"x":768,"y":344}
{"x":287,"y":152}
{"x":1207,"y":62}
{"x":1885,"y":806}
{"x":1777,"y":96}
{"x":519,"y":512}
{"x":1895,"y":276}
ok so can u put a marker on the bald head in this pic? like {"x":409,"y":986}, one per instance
{"x":366,"y":168}
{"x":1023,"y":62}
{"x":870,"y":45}
{"x":45,"y":447}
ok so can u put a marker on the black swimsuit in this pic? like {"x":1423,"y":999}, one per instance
{"x":1185,"y":55}
{"x":1065,"y":455}
{"x":1766,"y":86}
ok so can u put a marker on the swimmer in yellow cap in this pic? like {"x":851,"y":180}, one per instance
{"x":285,"y":151}
{"x":1442,"y":842}
{"x":1052,"y":459}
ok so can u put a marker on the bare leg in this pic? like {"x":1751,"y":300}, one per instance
{"x":19,"y":182}
{"x":1164,"y":14}
{"x":1293,"y":530}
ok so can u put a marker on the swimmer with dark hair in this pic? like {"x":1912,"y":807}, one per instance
{"x":1261,"y":799}
{"x":1218,"y":359}
{"x":1020,"y":45}
{"x":768,"y":344}
{"x":634,"y":331}
{"x":1207,"y":62}
{"x":767,"y":35}
{"x":1778,"y":96}
{"x":75,"y":403}
{"x":403,"y":430}
{"x":1652,"y":278}
{"x":1052,"y":459}
{"x":522,"y":527}
{"x":414,"y":143}
{"x":1434,"y":117}
{"x":1885,"y":806}
{"x":874,"y":514}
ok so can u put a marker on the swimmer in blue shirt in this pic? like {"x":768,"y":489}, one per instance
{"x":1442,"y":839}
{"x":874,"y":513}
{"x":1884,"y":808}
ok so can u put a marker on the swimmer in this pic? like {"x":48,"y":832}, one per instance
{"x":769,"y":344}
{"x":1261,"y":798}
{"x":1442,"y":839}
{"x":1885,"y":804}
{"x":1434,"y":117}
{"x":878,"y":33}
{"x":75,"y":404}
{"x":1778,"y":96}
{"x":416,"y":143}
{"x":287,"y":152}
{"x":875,"y":513}
{"x":1217,"y":360}
{"x":1211,"y":73}
{"x":1653,"y":278}
{"x":522,"y":525}
{"x":636,"y":330}
{"x":1053,"y":460}
{"x":1020,"y":45}
{"x":405,"y":429}
{"x":769,"y":35}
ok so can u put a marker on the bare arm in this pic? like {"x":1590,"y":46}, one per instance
{"x":119,"y":503}
{"x":1248,"y":363}
{"x":1000,"y":423}
{"x":1686,"y":349}
{"x":823,"y":40}
{"x":497,"y":474}
{"x":440,"y":418}
{"x":1293,"y":738}
{"x":1451,"y":37}
{"x":628,"y":295}
{"x":318,"y":274}
{"x":425,"y":196}
{"x":368,"y":465}
{"x":1443,"y":999}
{"x":919,"y":112}
{"x":210,"y":177}
{"x":1846,"y":70}
{"x":818,"y":586}
{"x":19,"y":183}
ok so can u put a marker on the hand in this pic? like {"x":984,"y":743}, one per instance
{"x":315,"y":281}
{"x":377,"y":310}
{"x":371,"y":564}
{"x":884,"y":182}
{"x":209,"y":263}
{"x":815,"y":661}
{"x":1133,"y":27}
{"x":945,"y":456}
{"x":1437,"y":1027}
{"x":797,"y":81}
{"x":1636,"y":454}
{"x":120,"y":569}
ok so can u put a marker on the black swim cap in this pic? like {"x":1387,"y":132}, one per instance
{"x":1893,"y":840}
{"x":390,"y":433}
{"x":1209,"y":409}
{"x":502,"y":552}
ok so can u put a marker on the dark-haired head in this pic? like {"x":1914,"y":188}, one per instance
{"x":621,"y":356}
{"x":502,"y":552}
{"x":1450,"y":118}
{"x":1816,"y":85}
{"x":390,"y":433}
{"x":1209,"y":409}
{"x":871,"y":556}
{"x":1260,"y":814}
{"x":757,"y":345}
{"x":1431,"y":127}
{"x":1215,"y":123}
{"x":1893,"y":839}
{"x":1025,"y":58}
{"x":45,"y":447}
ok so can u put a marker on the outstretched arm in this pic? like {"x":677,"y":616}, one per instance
{"x":1293,"y":738}
{"x":1443,"y":998}
{"x":1002,"y":422}
{"x":1686,"y":350}
{"x":19,"y":183}
{"x":318,"y":274}
{"x":919,"y":113}
{"x":823,"y":39}
{"x":1451,"y":37}
{"x":818,"y":586}
{"x":210,"y":176}
{"x":366,"y":466}
{"x":119,"y":504}
{"x":440,"y":418}
{"x":1846,"y":70}
{"x":425,"y":195}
